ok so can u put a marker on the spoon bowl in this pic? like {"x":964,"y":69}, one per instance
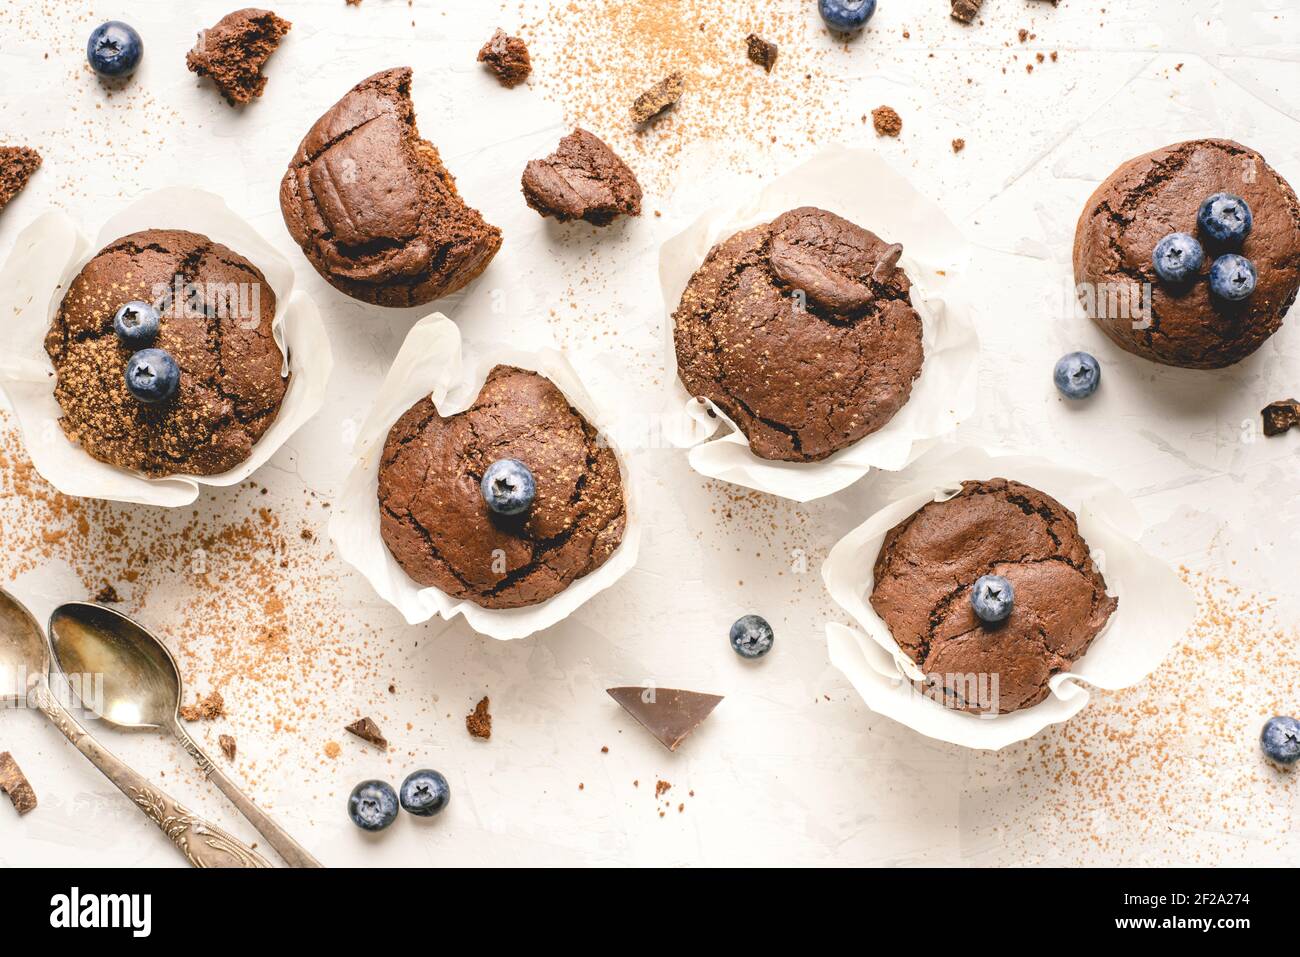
{"x":23,"y":651}
{"x":142,"y":686}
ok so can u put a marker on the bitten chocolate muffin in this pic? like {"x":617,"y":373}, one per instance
{"x":929,"y":563}
{"x":582,"y":179}
{"x":233,"y":51}
{"x":802,"y":331}
{"x":374,"y":209}
{"x":439,"y":529}
{"x":216,"y":310}
{"x":1159,"y":193}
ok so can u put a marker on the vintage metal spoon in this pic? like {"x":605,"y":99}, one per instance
{"x":143,"y":689}
{"x":24,"y":677}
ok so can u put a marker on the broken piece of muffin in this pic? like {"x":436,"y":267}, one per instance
{"x":17,"y":164}
{"x":507,"y":57}
{"x":583,"y":179}
{"x":233,"y":51}
{"x":658,"y":98}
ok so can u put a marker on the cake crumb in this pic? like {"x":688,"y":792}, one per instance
{"x":662,"y":788}
{"x":227,"y":744}
{"x":507,"y":57}
{"x":886,"y":121}
{"x":658,"y":98}
{"x":958,"y":145}
{"x":15,"y":784}
{"x":761,"y":51}
{"x":333,"y":749}
{"x":1280,"y":416}
{"x":107,"y":595}
{"x":964,"y":11}
{"x":205,"y":709}
{"x":479,"y":721}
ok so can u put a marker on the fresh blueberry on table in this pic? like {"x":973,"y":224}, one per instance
{"x":1077,"y":375}
{"x":372,"y":805}
{"x":752,"y":636}
{"x":152,"y":375}
{"x":1233,"y":277}
{"x":114,"y":49}
{"x":424,"y":793}
{"x":992,"y":598}
{"x":1177,"y":258}
{"x":508,"y":487}
{"x":846,"y":16}
{"x":136,"y":323}
{"x":1225,"y":218}
{"x":1280,"y":739}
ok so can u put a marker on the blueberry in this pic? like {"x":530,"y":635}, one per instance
{"x":751,"y":636}
{"x":425,"y":793}
{"x":372,"y":805}
{"x":1177,"y":258}
{"x":136,"y":323}
{"x":1077,"y":375}
{"x":152,"y":375}
{"x":114,"y":49}
{"x":1232,"y":277}
{"x":1225,"y":218}
{"x":992,"y":598}
{"x":1280,"y":740}
{"x":846,"y":16}
{"x":508,"y":487}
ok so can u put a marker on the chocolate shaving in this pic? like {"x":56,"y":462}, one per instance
{"x":14,"y":783}
{"x":367,"y":730}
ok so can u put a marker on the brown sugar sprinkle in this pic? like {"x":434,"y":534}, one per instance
{"x":1169,"y":771}
{"x":594,"y":59}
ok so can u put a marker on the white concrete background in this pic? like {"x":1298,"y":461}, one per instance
{"x":792,"y":769}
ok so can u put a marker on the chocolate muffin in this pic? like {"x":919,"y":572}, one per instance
{"x":583,"y":179}
{"x":439,"y":529}
{"x":929,"y":563}
{"x":374,"y":209}
{"x":233,"y":51}
{"x":802,"y":331}
{"x":1159,"y":193}
{"x":216,"y":310}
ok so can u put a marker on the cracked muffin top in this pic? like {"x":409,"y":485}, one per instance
{"x":215,"y":314}
{"x":1160,"y":193}
{"x":373,"y":208}
{"x":441,"y":532}
{"x":802,"y":331}
{"x":929,"y":563}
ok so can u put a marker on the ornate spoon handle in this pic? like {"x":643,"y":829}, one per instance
{"x":203,"y":844}
{"x":294,"y":854}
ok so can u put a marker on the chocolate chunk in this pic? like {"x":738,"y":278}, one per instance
{"x":227,"y":746}
{"x":761,"y":51}
{"x":658,"y":98}
{"x":582,"y":179}
{"x":205,"y":709}
{"x":1280,"y":416}
{"x":479,"y":721}
{"x":14,"y":784}
{"x":233,"y":52}
{"x":667,"y":713}
{"x":17,"y":164}
{"x":367,"y":730}
{"x":507,"y":57}
{"x":965,"y":10}
{"x":886,"y":121}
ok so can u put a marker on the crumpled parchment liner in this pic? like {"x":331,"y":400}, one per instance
{"x":1155,"y":607}
{"x":49,"y":253}
{"x":431,"y":363}
{"x":860,"y":186}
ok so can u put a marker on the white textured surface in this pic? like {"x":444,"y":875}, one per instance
{"x":792,"y":767}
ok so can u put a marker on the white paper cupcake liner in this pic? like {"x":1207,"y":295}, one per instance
{"x":46,"y":257}
{"x":1155,"y":607}
{"x":431,"y":363}
{"x":860,"y":186}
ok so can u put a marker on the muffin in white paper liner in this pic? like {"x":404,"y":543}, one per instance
{"x":1155,"y":607}
{"x":431,"y":363}
{"x":861,"y":187}
{"x":47,"y":256}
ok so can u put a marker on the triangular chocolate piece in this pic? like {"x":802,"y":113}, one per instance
{"x":367,"y":730}
{"x":667,"y":713}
